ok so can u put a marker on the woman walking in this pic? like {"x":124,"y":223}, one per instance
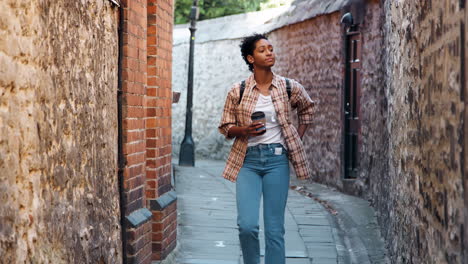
{"x":259,"y":159}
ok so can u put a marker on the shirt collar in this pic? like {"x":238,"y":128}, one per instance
{"x":251,"y":81}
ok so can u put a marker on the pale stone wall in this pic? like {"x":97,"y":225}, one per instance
{"x":218,"y":65}
{"x":58,"y":132}
{"x":423,"y":208}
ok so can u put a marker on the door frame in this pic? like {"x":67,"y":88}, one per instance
{"x":351,"y":101}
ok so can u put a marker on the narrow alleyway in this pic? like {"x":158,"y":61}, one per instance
{"x":207,"y":231}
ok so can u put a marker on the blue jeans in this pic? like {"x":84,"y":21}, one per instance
{"x":268,"y":173}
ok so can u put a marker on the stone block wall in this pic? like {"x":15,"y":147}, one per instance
{"x":373,"y":146}
{"x":59,"y":200}
{"x":426,"y":89}
{"x":310,"y":52}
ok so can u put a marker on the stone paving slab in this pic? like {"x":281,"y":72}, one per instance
{"x":354,"y":228}
{"x":323,"y":261}
{"x":205,"y":261}
{"x":288,"y":261}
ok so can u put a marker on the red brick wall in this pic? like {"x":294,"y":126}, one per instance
{"x":159,"y":98}
{"x":164,"y":231}
{"x":134,"y":145}
{"x":139,"y":246}
{"x":158,"y":123}
{"x":134,"y":85}
{"x":146,"y":77}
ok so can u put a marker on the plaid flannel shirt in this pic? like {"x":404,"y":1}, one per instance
{"x":236,"y":114}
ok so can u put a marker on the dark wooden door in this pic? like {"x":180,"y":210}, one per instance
{"x":352,"y":102}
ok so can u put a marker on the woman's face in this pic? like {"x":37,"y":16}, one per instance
{"x":263,"y":55}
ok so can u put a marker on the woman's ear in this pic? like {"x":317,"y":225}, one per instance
{"x":250,"y":59}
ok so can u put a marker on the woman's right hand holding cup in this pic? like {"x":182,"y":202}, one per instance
{"x":251,"y":130}
{"x":256,"y":128}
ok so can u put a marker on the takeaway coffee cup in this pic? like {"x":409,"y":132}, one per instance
{"x":259,"y":117}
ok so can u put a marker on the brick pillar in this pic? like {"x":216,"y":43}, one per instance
{"x":161,"y":198}
{"x":138,"y":217}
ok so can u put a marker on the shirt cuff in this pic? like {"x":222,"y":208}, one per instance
{"x":225,"y":129}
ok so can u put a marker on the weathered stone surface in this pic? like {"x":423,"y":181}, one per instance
{"x":310,"y":52}
{"x":423,"y":207}
{"x":58,"y":132}
{"x":374,"y":135}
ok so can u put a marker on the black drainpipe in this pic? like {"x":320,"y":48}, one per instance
{"x":121,"y":157}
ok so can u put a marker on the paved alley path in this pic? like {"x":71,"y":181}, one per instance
{"x":208,"y":233}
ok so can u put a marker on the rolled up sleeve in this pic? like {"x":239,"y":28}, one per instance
{"x":229,"y":118}
{"x":304,"y":104}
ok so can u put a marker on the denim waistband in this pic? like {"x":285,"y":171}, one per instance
{"x":265,"y":146}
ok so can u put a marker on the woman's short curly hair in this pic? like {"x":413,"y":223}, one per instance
{"x":247,"y":47}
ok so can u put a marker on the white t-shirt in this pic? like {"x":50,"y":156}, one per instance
{"x":273,"y":132}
